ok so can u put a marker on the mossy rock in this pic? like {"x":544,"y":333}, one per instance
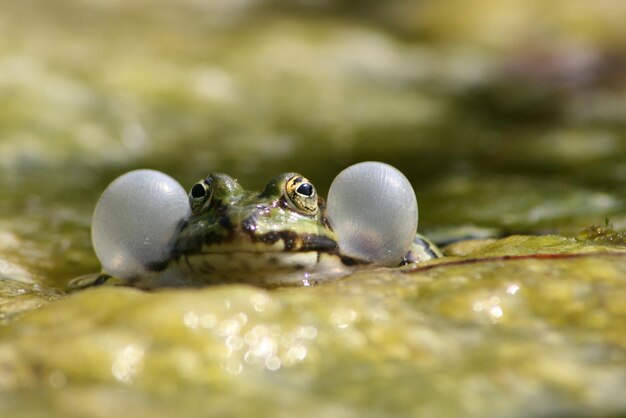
{"x":522,"y":326}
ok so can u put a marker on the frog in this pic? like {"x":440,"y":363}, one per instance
{"x":280,"y":236}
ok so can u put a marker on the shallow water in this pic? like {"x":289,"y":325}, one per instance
{"x":501,"y":132}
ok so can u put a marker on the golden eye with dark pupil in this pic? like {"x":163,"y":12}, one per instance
{"x":301,"y":195}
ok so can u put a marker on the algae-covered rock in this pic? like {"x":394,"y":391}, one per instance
{"x":465,"y":336}
{"x":521,"y":245}
{"x":604,"y":235}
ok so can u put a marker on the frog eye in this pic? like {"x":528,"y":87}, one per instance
{"x":200,"y":194}
{"x":301,"y":195}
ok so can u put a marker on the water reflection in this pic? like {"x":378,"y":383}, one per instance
{"x":342,"y":318}
{"x":262,"y":346}
{"x":128,"y":362}
{"x":491,"y":307}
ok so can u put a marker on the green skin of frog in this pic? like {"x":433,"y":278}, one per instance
{"x":280,"y":236}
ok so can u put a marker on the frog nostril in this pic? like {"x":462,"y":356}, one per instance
{"x":305,"y":189}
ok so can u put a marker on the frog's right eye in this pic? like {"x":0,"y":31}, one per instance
{"x":301,"y":195}
{"x":200,"y":195}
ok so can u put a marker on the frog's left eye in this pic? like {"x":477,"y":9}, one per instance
{"x":200,"y":194}
{"x":301,"y":195}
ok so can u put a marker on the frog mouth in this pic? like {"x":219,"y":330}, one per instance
{"x":273,"y":253}
{"x":265,"y":268}
{"x":292,"y":241}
